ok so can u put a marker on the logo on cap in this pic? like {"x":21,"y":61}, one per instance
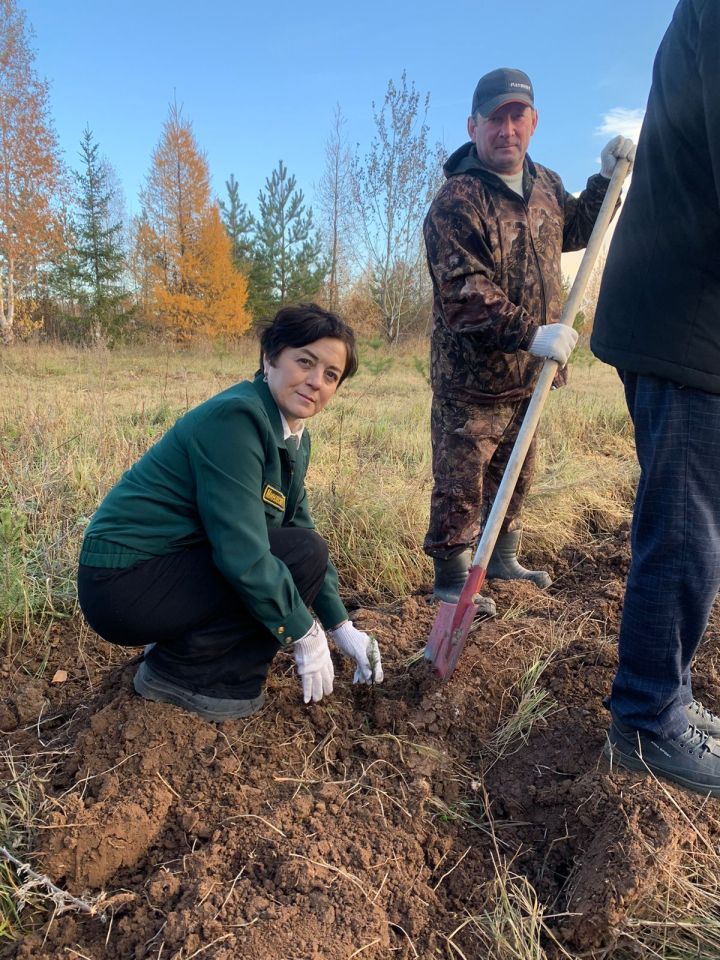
{"x":501,"y":86}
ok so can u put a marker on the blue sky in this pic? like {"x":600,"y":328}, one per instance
{"x":260,"y":81}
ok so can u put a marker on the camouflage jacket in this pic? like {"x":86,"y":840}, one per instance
{"x":494,"y":261}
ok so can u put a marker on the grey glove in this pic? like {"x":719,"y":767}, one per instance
{"x":314,"y":666}
{"x":619,"y":148}
{"x":555,"y":341}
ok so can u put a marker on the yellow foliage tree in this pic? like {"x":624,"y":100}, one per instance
{"x":212,"y":301}
{"x":31,"y":175}
{"x":222,"y":288}
{"x":196,"y":292}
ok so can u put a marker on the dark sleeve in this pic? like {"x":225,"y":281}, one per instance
{"x":463,"y":268}
{"x":581,"y":212}
{"x":708,"y":62}
{"x":227,"y":456}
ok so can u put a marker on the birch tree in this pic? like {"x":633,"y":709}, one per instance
{"x":392,"y":186}
{"x":30,"y":169}
{"x":335,"y":198}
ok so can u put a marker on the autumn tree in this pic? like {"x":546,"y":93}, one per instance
{"x":189,"y":254}
{"x":391,"y":188}
{"x":239,"y":224}
{"x":212,"y":300}
{"x":287,"y":259}
{"x":30,"y":169}
{"x":335,"y":204}
{"x":143,"y":260}
{"x":176,"y":195}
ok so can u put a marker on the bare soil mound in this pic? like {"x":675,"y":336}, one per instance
{"x":380,"y":823}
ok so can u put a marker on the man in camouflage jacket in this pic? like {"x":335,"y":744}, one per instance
{"x":494,"y":234}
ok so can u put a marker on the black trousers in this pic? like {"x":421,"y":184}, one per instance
{"x":206,"y":639}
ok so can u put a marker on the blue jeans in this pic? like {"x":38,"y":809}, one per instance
{"x":675,"y":570}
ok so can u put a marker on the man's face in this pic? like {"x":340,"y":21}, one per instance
{"x":502,"y":139}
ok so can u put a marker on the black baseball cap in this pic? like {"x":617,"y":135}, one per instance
{"x":501,"y":86}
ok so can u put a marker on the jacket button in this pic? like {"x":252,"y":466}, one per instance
{"x":281,"y":630}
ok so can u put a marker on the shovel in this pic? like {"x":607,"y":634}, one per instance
{"x":452,"y":623}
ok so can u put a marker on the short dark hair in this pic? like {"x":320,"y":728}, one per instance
{"x":302,"y":324}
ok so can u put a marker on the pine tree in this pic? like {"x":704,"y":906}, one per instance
{"x":31,"y":174}
{"x":239,"y":224}
{"x":287,"y":264}
{"x":99,"y":251}
{"x":63,"y":275}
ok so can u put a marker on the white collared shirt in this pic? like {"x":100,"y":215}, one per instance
{"x":287,"y":432}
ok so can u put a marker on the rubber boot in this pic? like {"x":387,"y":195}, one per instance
{"x":504,"y":562}
{"x":450,"y":577}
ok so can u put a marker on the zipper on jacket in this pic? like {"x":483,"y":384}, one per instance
{"x":537,"y":261}
{"x":526,"y":206}
{"x":294,"y":489}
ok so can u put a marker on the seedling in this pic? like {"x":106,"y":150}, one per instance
{"x":373,"y":655}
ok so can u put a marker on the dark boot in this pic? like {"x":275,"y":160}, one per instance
{"x":450,"y":577}
{"x":218,"y":709}
{"x":504,"y":562}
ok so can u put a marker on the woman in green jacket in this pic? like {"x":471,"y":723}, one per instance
{"x":205,"y":551}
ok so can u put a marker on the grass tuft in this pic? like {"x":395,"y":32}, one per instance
{"x":531,"y":703}
{"x":22,"y":808}
{"x":514,"y":925}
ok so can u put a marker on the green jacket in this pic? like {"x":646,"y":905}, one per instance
{"x":224,"y":475}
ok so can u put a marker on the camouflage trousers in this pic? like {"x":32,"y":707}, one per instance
{"x":471,"y":445}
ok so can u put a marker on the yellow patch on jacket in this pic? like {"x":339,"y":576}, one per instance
{"x":274,"y":497}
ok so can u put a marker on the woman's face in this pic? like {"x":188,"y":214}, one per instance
{"x":303,"y":379}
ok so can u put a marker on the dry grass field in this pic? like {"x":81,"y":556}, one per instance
{"x":72,"y":420}
{"x":417,"y":820}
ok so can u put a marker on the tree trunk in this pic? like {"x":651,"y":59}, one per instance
{"x":7,"y":309}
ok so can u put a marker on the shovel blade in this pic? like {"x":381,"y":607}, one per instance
{"x":452,"y":625}
{"x":441,"y":630}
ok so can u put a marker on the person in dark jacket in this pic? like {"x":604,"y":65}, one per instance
{"x":205,"y":550}
{"x":494,"y":234}
{"x":658,"y":323}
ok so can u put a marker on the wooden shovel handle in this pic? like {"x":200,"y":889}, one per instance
{"x":547,"y":373}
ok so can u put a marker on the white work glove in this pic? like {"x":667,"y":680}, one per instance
{"x":362,"y":648}
{"x":312,"y":658}
{"x":619,"y":148}
{"x":555,"y":341}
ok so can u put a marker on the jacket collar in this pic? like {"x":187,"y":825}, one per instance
{"x":465,"y":160}
{"x":271,"y":408}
